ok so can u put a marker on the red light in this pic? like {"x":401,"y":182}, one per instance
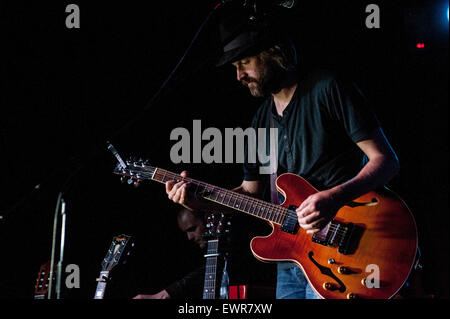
{"x":420,"y":45}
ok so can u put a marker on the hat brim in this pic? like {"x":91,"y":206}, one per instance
{"x":234,"y":55}
{"x":249,"y":49}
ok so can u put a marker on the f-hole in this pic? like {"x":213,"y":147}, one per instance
{"x":327,"y":272}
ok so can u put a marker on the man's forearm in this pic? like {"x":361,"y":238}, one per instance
{"x":377,"y":172}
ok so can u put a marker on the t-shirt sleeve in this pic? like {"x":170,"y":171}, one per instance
{"x":351,"y":109}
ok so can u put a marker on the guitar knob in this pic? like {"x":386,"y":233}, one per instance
{"x":343,"y":270}
{"x":328,"y":286}
{"x":363,"y":282}
{"x":351,"y":295}
{"x":331,"y":261}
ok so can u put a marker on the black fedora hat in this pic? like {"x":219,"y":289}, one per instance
{"x":243,"y":34}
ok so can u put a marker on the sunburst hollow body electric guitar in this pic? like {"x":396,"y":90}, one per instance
{"x":367,"y":251}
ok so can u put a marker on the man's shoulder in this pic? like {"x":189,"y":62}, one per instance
{"x":320,"y":79}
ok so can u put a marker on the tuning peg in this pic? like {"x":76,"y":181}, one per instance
{"x":123,"y":179}
{"x":130,"y":181}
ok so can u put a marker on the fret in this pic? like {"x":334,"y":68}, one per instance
{"x":205,"y":192}
{"x":209,"y":286}
{"x":158,"y":175}
{"x":272,"y":212}
{"x":210,"y":192}
{"x":218,"y":193}
{"x":222,"y":196}
{"x":253,"y":205}
{"x":240,"y":203}
{"x":245,"y":207}
{"x":231,"y":195}
{"x":101,"y":286}
{"x":234,"y":204}
{"x":263,"y":213}
{"x":228,"y":198}
{"x":258,"y":208}
{"x":281,"y":215}
{"x":269,"y":210}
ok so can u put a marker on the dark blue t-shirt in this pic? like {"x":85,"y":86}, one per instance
{"x":318,"y":131}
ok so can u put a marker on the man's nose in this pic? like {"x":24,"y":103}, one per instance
{"x":240,"y":74}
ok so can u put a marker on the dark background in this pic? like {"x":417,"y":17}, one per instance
{"x":65,"y":92}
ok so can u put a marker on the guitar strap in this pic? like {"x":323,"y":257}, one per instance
{"x":273,"y":160}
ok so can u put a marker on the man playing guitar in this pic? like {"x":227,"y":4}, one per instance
{"x":325,"y":131}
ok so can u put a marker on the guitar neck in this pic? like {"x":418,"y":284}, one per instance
{"x":209,"y":289}
{"x":101,"y":286}
{"x":221,"y":196}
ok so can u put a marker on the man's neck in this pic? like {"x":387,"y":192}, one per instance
{"x":283,"y":97}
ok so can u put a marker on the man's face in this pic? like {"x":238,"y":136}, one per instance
{"x":193,"y":227}
{"x":252,"y":73}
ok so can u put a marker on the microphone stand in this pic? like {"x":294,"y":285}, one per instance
{"x":60,"y":209}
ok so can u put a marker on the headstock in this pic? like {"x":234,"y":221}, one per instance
{"x":217,"y":226}
{"x":42,"y":281}
{"x":133,"y":170}
{"x":120,"y":248}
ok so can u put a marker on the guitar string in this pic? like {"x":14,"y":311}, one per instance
{"x":212,"y":262}
{"x":333,"y":227}
{"x":279,"y":211}
{"x":267,"y":208}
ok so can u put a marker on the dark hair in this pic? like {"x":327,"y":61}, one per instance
{"x":282,"y":54}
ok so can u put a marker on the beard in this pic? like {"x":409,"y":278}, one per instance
{"x":270,"y":81}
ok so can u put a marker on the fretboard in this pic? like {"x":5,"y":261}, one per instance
{"x":101,"y":286}
{"x":240,"y":202}
{"x":210,"y":283}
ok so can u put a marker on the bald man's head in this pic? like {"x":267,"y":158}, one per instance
{"x":193,"y":225}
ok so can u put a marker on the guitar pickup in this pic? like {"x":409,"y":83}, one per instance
{"x":290,"y":222}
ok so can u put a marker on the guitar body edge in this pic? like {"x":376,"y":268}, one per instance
{"x":378,"y":266}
